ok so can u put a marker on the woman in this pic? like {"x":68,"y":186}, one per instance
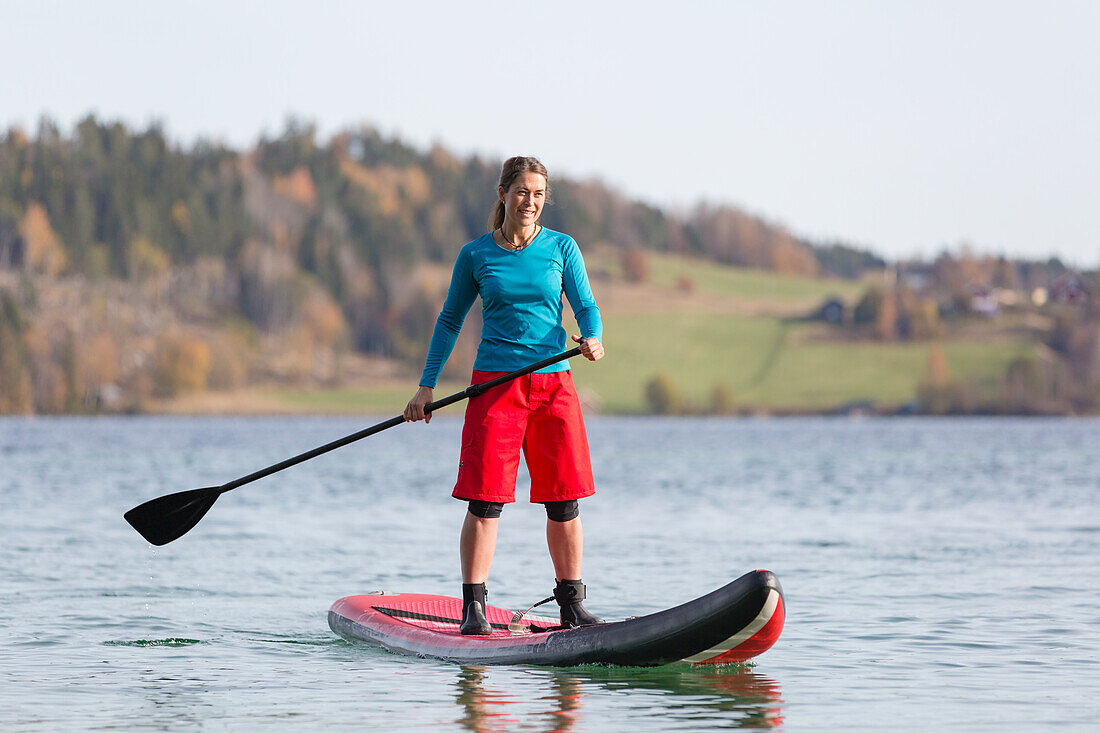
{"x":520,"y":269}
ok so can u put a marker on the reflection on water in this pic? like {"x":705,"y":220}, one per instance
{"x":486,"y":707}
{"x":557,"y":700}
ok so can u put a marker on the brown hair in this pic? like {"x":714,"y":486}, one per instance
{"x":508,"y":173}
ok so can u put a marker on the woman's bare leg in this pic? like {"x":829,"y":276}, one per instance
{"x":566,"y":543}
{"x":477,"y":544}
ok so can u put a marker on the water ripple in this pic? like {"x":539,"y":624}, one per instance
{"x":938,"y":574}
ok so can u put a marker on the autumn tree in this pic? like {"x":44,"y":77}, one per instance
{"x":45,"y":252}
{"x":721,"y":400}
{"x":662,"y":396}
{"x":15,"y":386}
{"x":182,"y":365}
{"x":936,"y":393}
{"x":1023,"y":390}
{"x":869,"y":306}
{"x":635,"y":265}
{"x":923,"y":318}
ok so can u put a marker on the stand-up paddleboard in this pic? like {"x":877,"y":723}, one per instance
{"x":734,"y":623}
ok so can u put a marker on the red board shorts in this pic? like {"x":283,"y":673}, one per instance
{"x":539,"y":413}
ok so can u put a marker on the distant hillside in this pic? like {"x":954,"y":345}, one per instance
{"x":134,"y":271}
{"x":324,"y":247}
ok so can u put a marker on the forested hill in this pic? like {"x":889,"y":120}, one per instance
{"x":108,"y":185}
{"x":136,"y":273}
{"x":117,"y":246}
{"x":344,"y":238}
{"x":117,"y":199}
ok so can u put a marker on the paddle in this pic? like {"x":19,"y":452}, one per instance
{"x":168,"y":518}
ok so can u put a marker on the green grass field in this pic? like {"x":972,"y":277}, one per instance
{"x":708,"y":278}
{"x":764,"y":365}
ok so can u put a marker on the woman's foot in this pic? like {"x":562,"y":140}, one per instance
{"x":474,"y":622}
{"x":569,"y":594}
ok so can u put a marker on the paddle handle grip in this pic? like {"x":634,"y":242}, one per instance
{"x":472,"y":391}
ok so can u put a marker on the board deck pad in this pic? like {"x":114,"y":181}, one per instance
{"x":443,"y":614}
{"x":730,"y":625}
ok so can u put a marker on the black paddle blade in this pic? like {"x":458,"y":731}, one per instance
{"x":168,"y":518}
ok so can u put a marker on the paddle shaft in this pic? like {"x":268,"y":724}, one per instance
{"x":472,"y":391}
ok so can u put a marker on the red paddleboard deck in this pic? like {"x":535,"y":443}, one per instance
{"x":734,"y":623}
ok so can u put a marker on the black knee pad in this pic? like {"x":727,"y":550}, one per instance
{"x":486,"y":509}
{"x":562,"y":511}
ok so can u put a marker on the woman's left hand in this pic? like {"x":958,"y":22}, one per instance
{"x":591,"y":348}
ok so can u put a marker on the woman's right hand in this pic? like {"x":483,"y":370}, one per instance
{"x":415,"y":409}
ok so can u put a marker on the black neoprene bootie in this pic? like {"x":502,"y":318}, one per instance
{"x":569,"y":594}
{"x":474,"y":622}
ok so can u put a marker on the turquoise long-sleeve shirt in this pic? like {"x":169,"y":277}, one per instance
{"x":521,"y":303}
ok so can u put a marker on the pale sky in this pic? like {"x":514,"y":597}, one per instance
{"x":901,"y":127}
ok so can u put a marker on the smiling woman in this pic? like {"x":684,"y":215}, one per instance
{"x":520,"y":270}
{"x":524,"y":189}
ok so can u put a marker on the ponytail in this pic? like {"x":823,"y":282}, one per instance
{"x":496,"y":216}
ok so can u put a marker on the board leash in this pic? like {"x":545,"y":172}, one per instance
{"x":514,"y":625}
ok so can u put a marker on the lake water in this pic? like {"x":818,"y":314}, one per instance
{"x":938,"y":573}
